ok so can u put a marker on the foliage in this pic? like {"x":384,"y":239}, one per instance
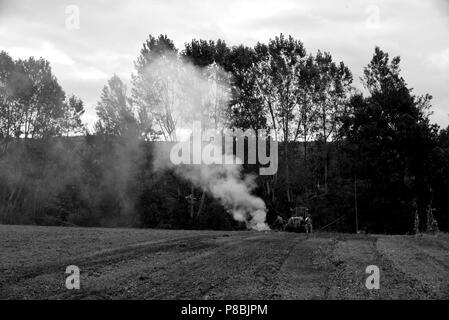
{"x":341,"y":152}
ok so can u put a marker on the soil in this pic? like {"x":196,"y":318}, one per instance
{"x":180,"y":264}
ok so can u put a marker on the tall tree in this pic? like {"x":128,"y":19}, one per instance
{"x":32,"y":101}
{"x":308,"y":113}
{"x":439,"y":167}
{"x":210,"y":95}
{"x":45,"y":105}
{"x":203,"y":53}
{"x":332,"y":83}
{"x":115,"y":111}
{"x":277,"y":74}
{"x":71,"y":122}
{"x":156,"y":85}
{"x":206,"y":88}
{"x":391,"y":141}
{"x":246,"y":108}
{"x":8,"y":93}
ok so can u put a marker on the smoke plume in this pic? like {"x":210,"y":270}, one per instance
{"x":226,"y":184}
{"x":205,"y":95}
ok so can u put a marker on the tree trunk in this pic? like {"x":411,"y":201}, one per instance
{"x":355,"y":207}
{"x":325,"y":168}
{"x":305,"y":152}
{"x":200,"y":209}
{"x":325,"y":150}
{"x":287,"y":172}
{"x":192,"y":208}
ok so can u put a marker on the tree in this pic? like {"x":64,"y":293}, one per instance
{"x":33,"y":104}
{"x":208,"y":83}
{"x":308,"y":114}
{"x":203,"y":53}
{"x":246,"y":108}
{"x":7,"y":94}
{"x":391,"y":141}
{"x":206,"y":87}
{"x":277,"y":74}
{"x":439,"y":168}
{"x":156,"y":86}
{"x":71,"y":122}
{"x":43,"y":105}
{"x":115,"y":111}
{"x":332,"y":84}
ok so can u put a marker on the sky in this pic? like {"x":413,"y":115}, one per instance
{"x":88,"y":41}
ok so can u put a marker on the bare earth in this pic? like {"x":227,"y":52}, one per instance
{"x":163,"y":264}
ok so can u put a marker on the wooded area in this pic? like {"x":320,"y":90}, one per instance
{"x":341,"y":151}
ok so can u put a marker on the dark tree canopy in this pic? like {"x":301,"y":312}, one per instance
{"x":392,"y":144}
{"x":341,"y":152}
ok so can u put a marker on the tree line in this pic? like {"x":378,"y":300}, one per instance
{"x":33,"y":104}
{"x":367,"y":160}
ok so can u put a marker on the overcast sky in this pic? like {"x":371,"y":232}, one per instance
{"x":111,"y":33}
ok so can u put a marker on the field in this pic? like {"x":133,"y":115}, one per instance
{"x":179,"y":264}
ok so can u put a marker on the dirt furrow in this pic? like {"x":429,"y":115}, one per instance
{"x":50,"y":278}
{"x":164,"y":264}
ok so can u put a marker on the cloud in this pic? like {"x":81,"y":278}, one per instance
{"x":112,"y":32}
{"x":47,"y":51}
{"x":439,"y":60}
{"x":88,"y":74}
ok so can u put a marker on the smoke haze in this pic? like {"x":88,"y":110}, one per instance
{"x":200,"y":96}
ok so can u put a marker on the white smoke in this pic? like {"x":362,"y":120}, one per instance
{"x":226,"y":184}
{"x":198,"y":98}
